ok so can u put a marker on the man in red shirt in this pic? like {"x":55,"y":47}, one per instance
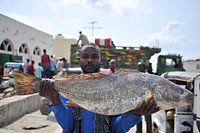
{"x":31,"y":68}
{"x":45,"y":61}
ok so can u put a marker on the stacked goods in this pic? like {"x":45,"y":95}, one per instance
{"x":103,"y":42}
{"x":126,"y":57}
{"x":74,"y":55}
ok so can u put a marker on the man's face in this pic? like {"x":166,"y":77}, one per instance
{"x":90,"y":60}
{"x":112,"y":65}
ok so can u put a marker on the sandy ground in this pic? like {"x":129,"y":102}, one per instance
{"x":45,"y":124}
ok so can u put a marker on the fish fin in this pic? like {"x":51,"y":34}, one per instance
{"x":81,"y":77}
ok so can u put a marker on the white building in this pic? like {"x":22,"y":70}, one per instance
{"x":18,"y":39}
{"x":62,"y":46}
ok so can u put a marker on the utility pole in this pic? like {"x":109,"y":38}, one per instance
{"x":92,"y":27}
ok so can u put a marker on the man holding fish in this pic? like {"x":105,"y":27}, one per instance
{"x":74,"y":119}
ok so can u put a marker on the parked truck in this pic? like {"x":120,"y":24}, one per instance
{"x":168,"y":63}
{"x":126,"y":57}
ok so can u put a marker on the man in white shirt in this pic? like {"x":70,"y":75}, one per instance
{"x":83,"y":38}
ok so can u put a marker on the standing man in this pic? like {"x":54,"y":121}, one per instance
{"x":53,"y":66}
{"x":45,"y":61}
{"x":83,"y":38}
{"x":143,"y":68}
{"x":80,"y":120}
{"x":30,"y":68}
{"x":5,"y":70}
{"x":1,"y":71}
{"x":111,"y":69}
{"x":21,"y":69}
{"x":39,"y":70}
{"x":26,"y":65}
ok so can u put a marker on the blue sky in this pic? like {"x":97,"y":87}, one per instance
{"x":172,"y":25}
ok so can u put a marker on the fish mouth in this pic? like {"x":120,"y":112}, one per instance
{"x":188,"y":100}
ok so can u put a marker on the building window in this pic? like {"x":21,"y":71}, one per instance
{"x":23,"y":49}
{"x":6,"y":45}
{"x":36,"y":51}
{"x":9,"y":48}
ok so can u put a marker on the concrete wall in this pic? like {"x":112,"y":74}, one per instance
{"x":15,"y":107}
{"x":17,"y":33}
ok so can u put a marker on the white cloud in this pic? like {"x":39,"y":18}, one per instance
{"x":167,"y":39}
{"x":172,"y":25}
{"x":121,"y":6}
{"x":117,"y":6}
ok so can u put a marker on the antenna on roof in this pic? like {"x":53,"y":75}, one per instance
{"x":92,"y":27}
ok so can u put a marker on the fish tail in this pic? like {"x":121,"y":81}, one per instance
{"x":26,"y":83}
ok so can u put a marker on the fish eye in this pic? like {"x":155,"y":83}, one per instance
{"x":180,"y":91}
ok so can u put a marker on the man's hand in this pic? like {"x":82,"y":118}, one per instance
{"x":47,"y":90}
{"x":148,"y":107}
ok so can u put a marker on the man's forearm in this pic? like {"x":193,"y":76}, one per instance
{"x":124,"y":122}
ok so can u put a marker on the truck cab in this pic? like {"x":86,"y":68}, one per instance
{"x":170,"y":62}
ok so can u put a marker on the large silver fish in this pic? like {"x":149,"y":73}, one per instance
{"x":120,"y":92}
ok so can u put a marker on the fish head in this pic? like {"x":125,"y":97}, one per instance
{"x":173,"y":96}
{"x":185,"y":96}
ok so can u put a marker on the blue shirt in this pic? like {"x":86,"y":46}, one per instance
{"x":120,"y":123}
{"x":53,"y":64}
{"x":38,"y":71}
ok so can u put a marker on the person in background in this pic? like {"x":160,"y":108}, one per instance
{"x":80,"y":120}
{"x":5,"y":71}
{"x":53,"y":66}
{"x":21,"y":69}
{"x":143,"y":68}
{"x":111,"y":69}
{"x":30,"y":68}
{"x":83,"y":38}
{"x":26,"y":65}
{"x":149,"y":68}
{"x":1,"y":71}
{"x":1,"y":75}
{"x":10,"y":73}
{"x":39,"y":70}
{"x":60,"y":66}
{"x":45,"y":61}
{"x":65,"y":63}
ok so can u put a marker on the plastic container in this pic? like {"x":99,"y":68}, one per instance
{"x":196,"y":125}
{"x":183,"y":123}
